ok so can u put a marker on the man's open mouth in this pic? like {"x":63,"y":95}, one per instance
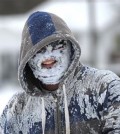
{"x":48,"y":63}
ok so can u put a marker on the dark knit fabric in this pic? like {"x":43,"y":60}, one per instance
{"x":41,"y":27}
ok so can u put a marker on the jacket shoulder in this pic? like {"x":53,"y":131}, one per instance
{"x":16,"y":103}
{"x":99,"y":74}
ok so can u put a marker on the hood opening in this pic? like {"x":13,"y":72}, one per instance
{"x":33,"y":84}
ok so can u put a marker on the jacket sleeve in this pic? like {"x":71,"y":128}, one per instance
{"x":111,"y":105}
{"x":7,"y":119}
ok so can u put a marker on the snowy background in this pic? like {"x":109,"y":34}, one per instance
{"x":96,"y":25}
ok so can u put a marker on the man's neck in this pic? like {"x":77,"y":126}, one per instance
{"x":50,"y":87}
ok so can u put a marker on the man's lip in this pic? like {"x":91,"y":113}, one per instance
{"x":48,"y":63}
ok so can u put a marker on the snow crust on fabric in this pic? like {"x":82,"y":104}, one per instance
{"x":92,"y":95}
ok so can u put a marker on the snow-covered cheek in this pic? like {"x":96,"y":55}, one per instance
{"x":54,"y":74}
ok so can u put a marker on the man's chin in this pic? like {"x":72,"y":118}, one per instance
{"x":50,"y":87}
{"x":50,"y":82}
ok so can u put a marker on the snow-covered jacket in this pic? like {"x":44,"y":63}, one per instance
{"x":86,"y":102}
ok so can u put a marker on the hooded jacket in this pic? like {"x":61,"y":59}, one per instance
{"x":86,"y":102}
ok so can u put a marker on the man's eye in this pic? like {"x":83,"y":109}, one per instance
{"x":59,"y":47}
{"x":43,"y":50}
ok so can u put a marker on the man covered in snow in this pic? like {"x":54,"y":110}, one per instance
{"x":61,"y":96}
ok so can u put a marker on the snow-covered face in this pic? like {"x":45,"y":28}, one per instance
{"x":50,"y":64}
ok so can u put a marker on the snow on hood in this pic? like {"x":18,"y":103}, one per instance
{"x":41,"y":29}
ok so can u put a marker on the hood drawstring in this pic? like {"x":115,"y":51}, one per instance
{"x":66,"y":112}
{"x":43,"y":116}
